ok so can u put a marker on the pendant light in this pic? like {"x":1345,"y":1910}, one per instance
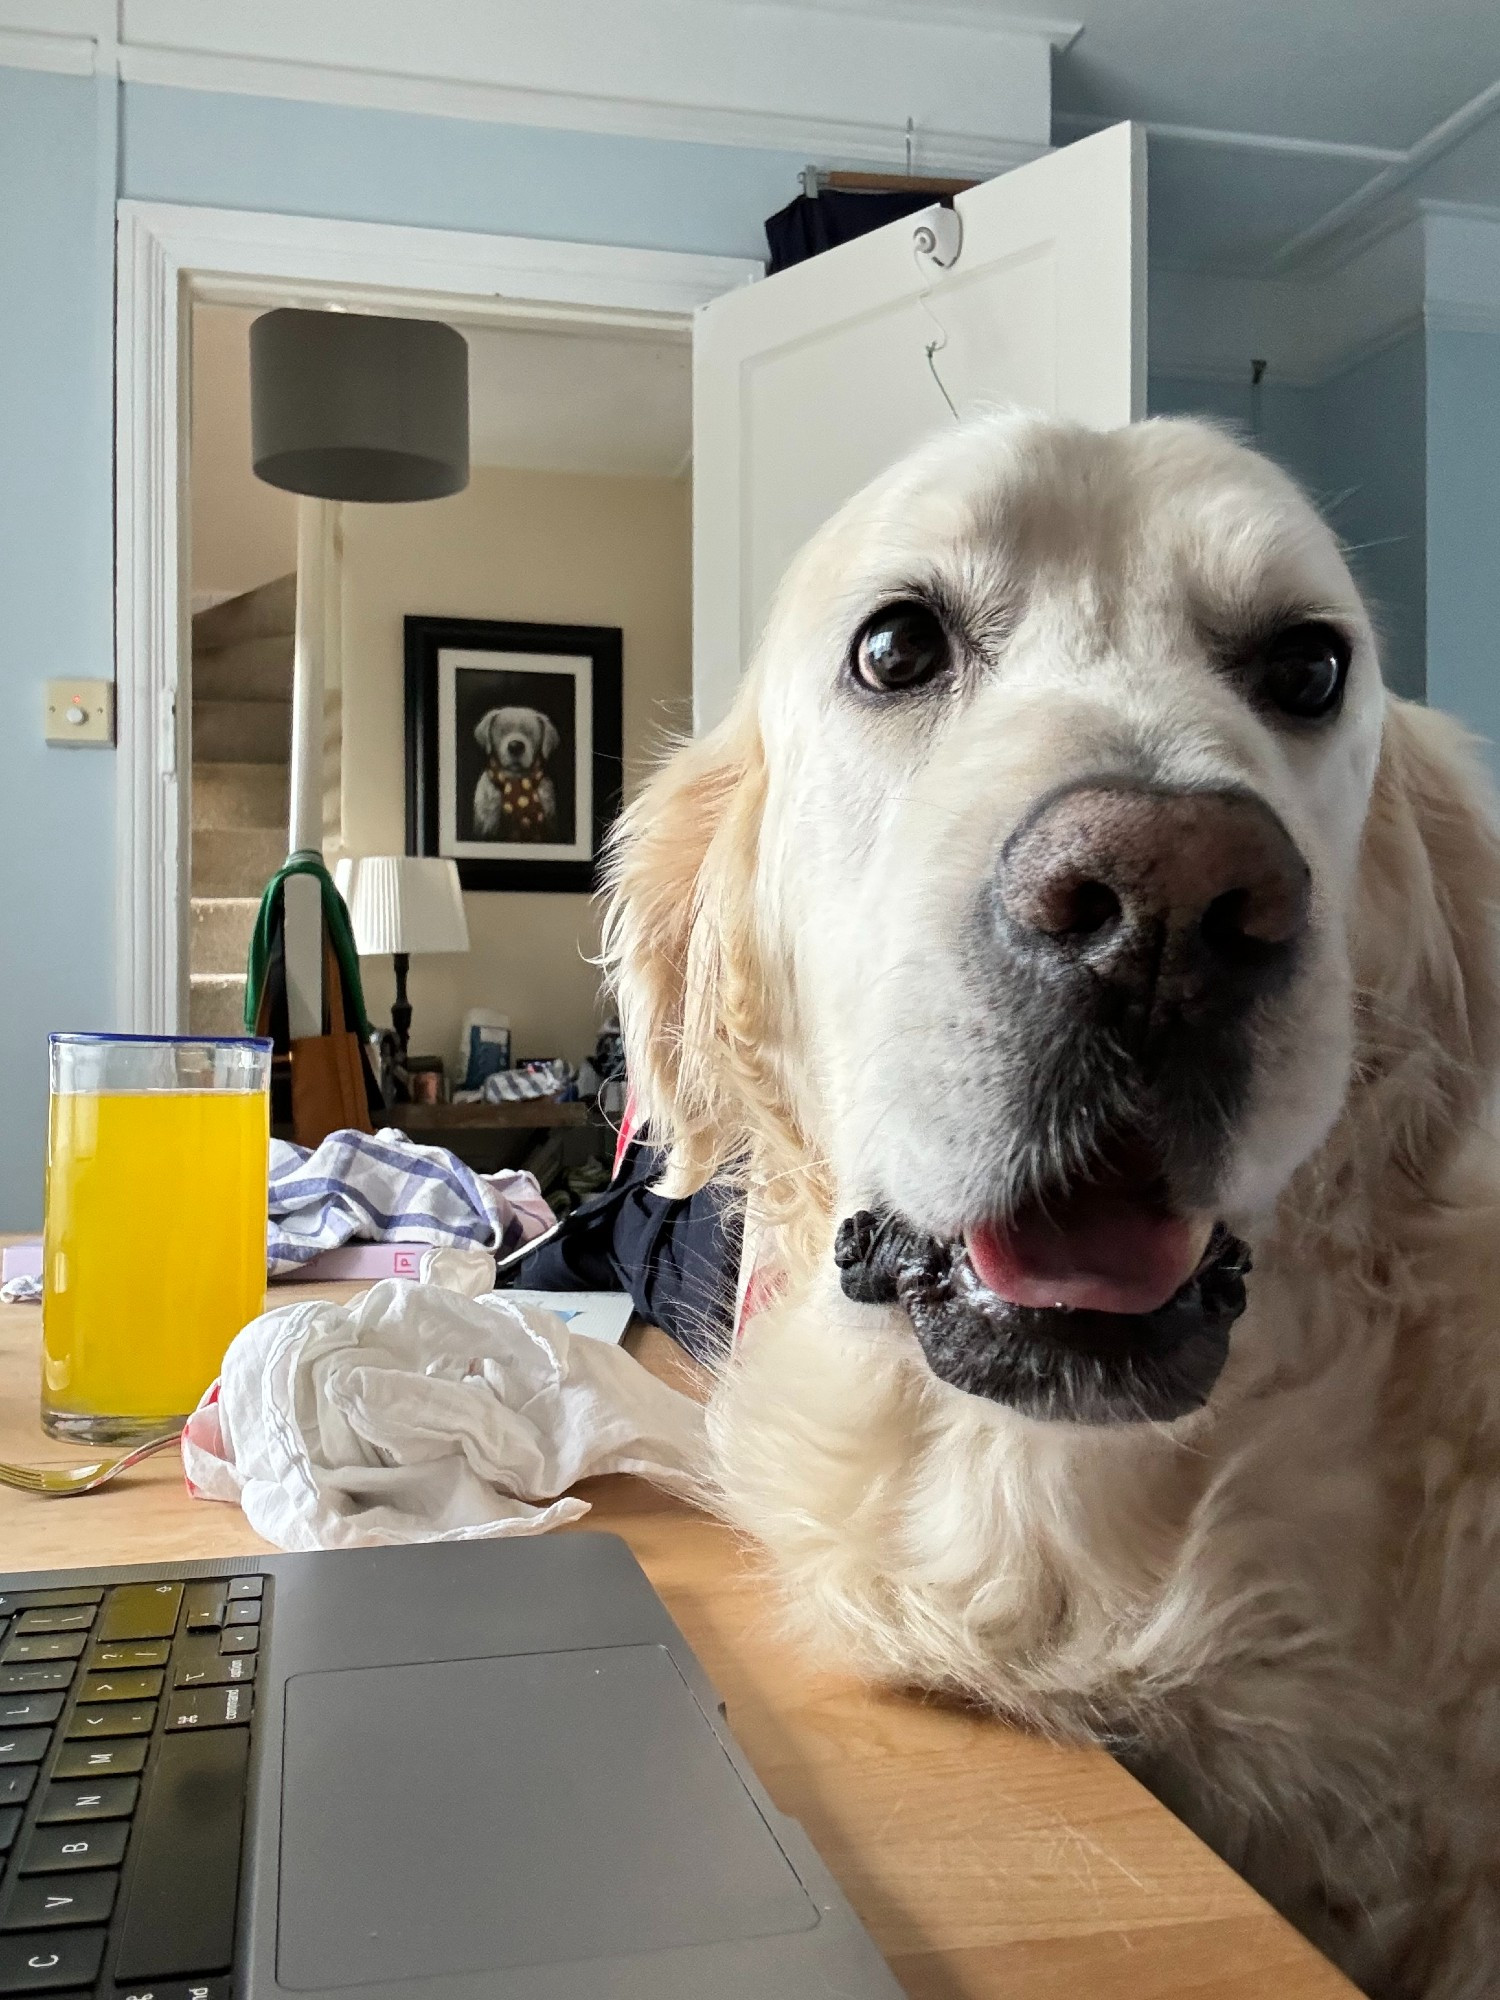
{"x":356,"y":406}
{"x":343,"y":406}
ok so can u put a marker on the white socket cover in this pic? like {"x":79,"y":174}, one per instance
{"x":80,"y":712}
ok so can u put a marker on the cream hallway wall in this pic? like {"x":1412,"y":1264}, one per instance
{"x":551,"y":548}
{"x":244,"y":532}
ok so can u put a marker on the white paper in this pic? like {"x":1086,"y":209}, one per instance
{"x":597,"y":1315}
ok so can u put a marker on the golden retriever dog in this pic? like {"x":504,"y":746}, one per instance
{"x":1091,"y":971}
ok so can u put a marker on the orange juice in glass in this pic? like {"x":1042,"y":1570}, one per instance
{"x":155,"y":1241}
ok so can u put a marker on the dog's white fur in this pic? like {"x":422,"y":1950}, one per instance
{"x":1286,"y":1609}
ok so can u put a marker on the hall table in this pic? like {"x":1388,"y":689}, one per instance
{"x":985,"y":1863}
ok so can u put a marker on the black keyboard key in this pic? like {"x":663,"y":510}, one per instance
{"x":53,"y":1849}
{"x":122,"y":1687}
{"x":36,"y":1600}
{"x":42,"y":1962}
{"x":132,"y":1654}
{"x":112,"y":1718}
{"x":244,"y":1613}
{"x":119,"y":1759}
{"x":23,"y":1746}
{"x":10,"y":1820}
{"x":88,"y":1799}
{"x":22,"y":1711}
{"x":240,"y":1639}
{"x":210,"y":1708}
{"x":246,"y":1586}
{"x":16,"y":1782}
{"x":141,"y":1611}
{"x":203,"y":1607}
{"x":188,"y":1830}
{"x":45,"y":1646}
{"x":197,"y":1669}
{"x":61,"y":1899}
{"x":178,"y":1989}
{"x":78,"y":1619}
{"x":36,"y":1680}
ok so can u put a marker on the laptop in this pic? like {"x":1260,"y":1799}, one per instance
{"x":472,"y":1771}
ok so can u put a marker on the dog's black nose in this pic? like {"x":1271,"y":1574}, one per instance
{"x":1166,"y":895}
{"x":515,"y":746}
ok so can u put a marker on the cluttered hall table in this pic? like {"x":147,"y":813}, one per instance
{"x":984,"y":1862}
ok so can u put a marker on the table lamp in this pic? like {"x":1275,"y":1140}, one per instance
{"x":403,"y":903}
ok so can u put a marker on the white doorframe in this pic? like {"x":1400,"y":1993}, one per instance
{"x":167,"y":258}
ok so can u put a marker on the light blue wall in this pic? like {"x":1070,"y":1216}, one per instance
{"x":1463,"y":528}
{"x":1373,"y":420}
{"x":1356,"y":443}
{"x":449,"y":173}
{"x":61,"y":164}
{"x":56,"y":577}
{"x":1287,"y":428}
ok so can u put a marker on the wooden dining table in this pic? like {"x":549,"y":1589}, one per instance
{"x":985,"y":1862}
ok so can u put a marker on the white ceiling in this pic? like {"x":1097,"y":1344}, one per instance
{"x":565,"y":399}
{"x":580,"y":402}
{"x":1372,"y":72}
{"x":1377,"y":74}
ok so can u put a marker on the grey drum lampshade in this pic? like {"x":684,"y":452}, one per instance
{"x":351,"y":406}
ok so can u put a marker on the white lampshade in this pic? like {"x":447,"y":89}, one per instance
{"x":403,"y":903}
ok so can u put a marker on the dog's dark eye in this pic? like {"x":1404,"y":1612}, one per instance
{"x":900,"y":648}
{"x":1304,"y":669}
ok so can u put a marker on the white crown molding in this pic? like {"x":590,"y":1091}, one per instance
{"x":1464,"y":211}
{"x":1383,"y":188}
{"x":1463,"y":266}
{"x":167,"y":257}
{"x":1238,"y":142}
{"x":1307,"y":328}
{"x":1442,"y":317}
{"x":1438,"y":268}
{"x":975,"y":83}
{"x":982,"y":14}
{"x":1238,"y":371}
{"x":825,"y":139}
{"x":65,"y":55}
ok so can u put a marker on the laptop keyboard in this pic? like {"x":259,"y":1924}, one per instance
{"x":125,"y":1731}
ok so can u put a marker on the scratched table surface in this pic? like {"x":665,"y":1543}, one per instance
{"x":984,"y":1862}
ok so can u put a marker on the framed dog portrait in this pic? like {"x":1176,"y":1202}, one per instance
{"x":513,"y":749}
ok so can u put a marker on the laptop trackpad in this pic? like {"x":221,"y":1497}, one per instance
{"x":467,"y":1815}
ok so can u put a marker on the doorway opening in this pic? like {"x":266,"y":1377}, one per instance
{"x":577,"y":513}
{"x":565,"y":309}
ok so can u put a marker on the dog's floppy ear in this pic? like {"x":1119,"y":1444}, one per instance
{"x":484,"y":729}
{"x":1426,"y":943}
{"x":550,"y":736}
{"x":684,"y":958}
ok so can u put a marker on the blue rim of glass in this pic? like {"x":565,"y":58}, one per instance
{"x":168,"y":1041}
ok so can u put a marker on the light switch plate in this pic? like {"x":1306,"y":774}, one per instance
{"x":80,"y":712}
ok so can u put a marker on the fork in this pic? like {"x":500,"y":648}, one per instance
{"x":60,"y":1482}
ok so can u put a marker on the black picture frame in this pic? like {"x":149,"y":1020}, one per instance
{"x":565,"y":801}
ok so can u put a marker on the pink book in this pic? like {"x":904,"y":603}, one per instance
{"x":350,"y":1260}
{"x":360,"y":1260}
{"x":21,"y":1260}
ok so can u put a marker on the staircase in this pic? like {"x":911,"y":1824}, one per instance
{"x":242,"y":732}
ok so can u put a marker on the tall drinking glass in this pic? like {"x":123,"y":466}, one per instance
{"x":155,"y":1252}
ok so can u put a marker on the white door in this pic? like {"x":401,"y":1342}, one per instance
{"x":809,"y":383}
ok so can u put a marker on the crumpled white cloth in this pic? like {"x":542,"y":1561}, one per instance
{"x":411,"y":1414}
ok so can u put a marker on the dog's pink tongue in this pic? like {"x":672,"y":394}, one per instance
{"x":1103,"y":1253}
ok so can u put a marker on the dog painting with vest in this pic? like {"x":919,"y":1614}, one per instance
{"x":515,"y":799}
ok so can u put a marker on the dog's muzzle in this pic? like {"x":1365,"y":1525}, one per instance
{"x":1050,"y":1362}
